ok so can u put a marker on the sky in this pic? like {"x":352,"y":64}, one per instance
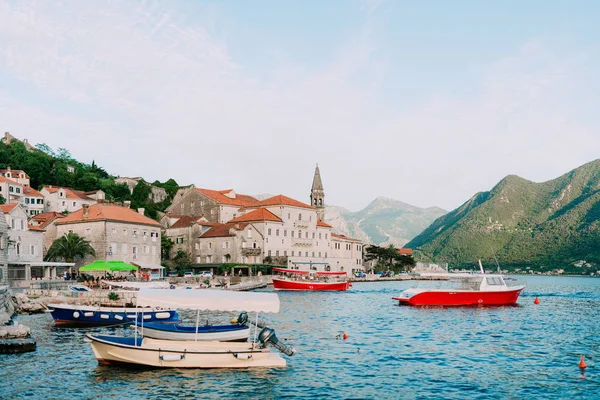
{"x":425,"y":102}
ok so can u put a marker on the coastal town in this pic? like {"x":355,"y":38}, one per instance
{"x":211,"y":226}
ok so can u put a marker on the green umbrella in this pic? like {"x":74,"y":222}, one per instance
{"x":100,"y":265}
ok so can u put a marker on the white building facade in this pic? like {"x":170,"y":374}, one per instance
{"x":61,"y":199}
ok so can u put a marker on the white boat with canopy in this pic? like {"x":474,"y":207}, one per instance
{"x":138,"y":285}
{"x":140,"y":350}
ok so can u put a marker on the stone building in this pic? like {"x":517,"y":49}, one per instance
{"x":61,"y":199}
{"x":24,"y":243}
{"x":214,"y":205}
{"x":346,"y":254}
{"x":9,"y":139}
{"x":46,"y":221}
{"x":115,"y":233}
{"x":3,"y":250}
{"x":32,"y":201}
{"x":157,"y":194}
{"x":185,"y":233}
{"x":15,"y":175}
{"x":317,"y":195}
{"x":10,"y":190}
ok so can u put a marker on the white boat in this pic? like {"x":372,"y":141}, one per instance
{"x":237,"y":332}
{"x":146,"y":351}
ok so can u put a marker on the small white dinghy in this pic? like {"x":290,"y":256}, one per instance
{"x":136,"y":350}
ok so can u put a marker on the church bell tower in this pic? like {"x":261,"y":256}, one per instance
{"x":317,"y":195}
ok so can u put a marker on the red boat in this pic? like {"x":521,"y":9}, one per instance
{"x":292,"y":279}
{"x":468,"y":290}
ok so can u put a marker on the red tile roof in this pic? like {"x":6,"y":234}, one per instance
{"x":6,"y":208}
{"x":45,"y":219}
{"x":405,"y":251}
{"x":70,"y":193}
{"x":14,"y":171}
{"x":31,"y":192}
{"x":106,"y":212}
{"x":241,"y":200}
{"x":185,"y":221}
{"x":223,"y":230}
{"x":281,"y":200}
{"x":323,"y":224}
{"x":261,"y":214}
{"x":342,"y":237}
{"x":3,"y":179}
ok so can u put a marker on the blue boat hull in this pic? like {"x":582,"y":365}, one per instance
{"x":65,"y":315}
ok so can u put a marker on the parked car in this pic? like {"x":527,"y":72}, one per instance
{"x":172,"y":274}
{"x":206,"y":274}
{"x":360,"y":274}
{"x":188,"y":274}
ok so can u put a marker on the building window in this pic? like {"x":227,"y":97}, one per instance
{"x":26,"y":200}
{"x":10,"y":189}
{"x":313,"y":253}
{"x":284,"y":233}
{"x":292,"y":253}
{"x":325,"y":236}
{"x":124,"y":248}
{"x":113,"y":249}
{"x":289,"y":215}
{"x":210,"y":245}
{"x":198,"y":260}
{"x":74,"y":204}
{"x":197,"y":245}
{"x":249,"y":234}
{"x":306,"y":254}
{"x":32,"y":250}
{"x":269,"y":231}
{"x":276,"y":232}
{"x":313,"y":235}
{"x":319,"y":235}
{"x":299,"y":234}
{"x":22,"y":225}
{"x":269,"y":253}
{"x":299,"y":217}
{"x":285,"y":253}
{"x":276,"y":253}
{"x":292,"y":233}
{"x":306,"y":235}
{"x":135,"y":234}
{"x":208,"y":259}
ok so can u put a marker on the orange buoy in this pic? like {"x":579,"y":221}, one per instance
{"x":582,"y":363}
{"x":345,"y":336}
{"x":536,"y":301}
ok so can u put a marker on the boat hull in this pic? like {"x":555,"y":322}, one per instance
{"x":219,"y":333}
{"x":181,"y":354}
{"x":462,"y":298}
{"x":71,"y":315}
{"x":282,"y":284}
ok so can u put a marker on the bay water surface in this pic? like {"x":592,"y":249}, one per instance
{"x":528,"y":351}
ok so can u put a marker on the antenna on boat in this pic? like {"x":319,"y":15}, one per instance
{"x":495,"y":259}
{"x":481,"y":267}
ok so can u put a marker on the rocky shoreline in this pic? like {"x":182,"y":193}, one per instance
{"x":15,"y":337}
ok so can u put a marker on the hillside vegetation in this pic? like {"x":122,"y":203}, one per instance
{"x":48,"y":167}
{"x":524,"y":224}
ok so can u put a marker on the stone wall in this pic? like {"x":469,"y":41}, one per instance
{"x":95,"y":298}
{"x":7,"y":308}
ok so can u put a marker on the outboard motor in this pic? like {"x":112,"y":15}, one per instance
{"x":243,"y":318}
{"x":267,"y":336}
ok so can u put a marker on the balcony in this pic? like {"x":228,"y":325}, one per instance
{"x":248,"y":252}
{"x":301,"y":224}
{"x":302,"y":242}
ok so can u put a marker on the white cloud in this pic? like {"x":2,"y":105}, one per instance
{"x":145,"y":92}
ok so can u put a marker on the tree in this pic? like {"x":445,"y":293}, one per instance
{"x":2,"y":199}
{"x":141,"y":192}
{"x":166,"y":244}
{"x":69,"y":248}
{"x":171,"y":187}
{"x":182,"y":261}
{"x":268,"y":260}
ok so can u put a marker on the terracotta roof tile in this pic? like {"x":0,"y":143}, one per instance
{"x":241,"y":200}
{"x":45,"y":219}
{"x":261,"y":214}
{"x":14,"y":171}
{"x":105,"y":212}
{"x":6,"y":208}
{"x":342,"y":237}
{"x":3,"y":179}
{"x":223,"y":230}
{"x":405,"y":251}
{"x":185,"y":221}
{"x":323,"y":224}
{"x":69,"y":193}
{"x":283,"y":201}
{"x":31,"y":192}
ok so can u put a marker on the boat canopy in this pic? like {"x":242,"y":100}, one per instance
{"x":291,"y":271}
{"x":139,"y":285}
{"x":331,"y":273}
{"x":208,"y":299}
{"x":107,"y":266}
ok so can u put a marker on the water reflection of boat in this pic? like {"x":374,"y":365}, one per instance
{"x":146,"y":351}
{"x":464,"y":290}
{"x":75,"y":315}
{"x":222,"y":333}
{"x":300,"y":280}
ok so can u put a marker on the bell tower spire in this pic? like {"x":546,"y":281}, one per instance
{"x":317,"y":195}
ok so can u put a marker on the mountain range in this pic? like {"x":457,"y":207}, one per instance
{"x":552,"y":224}
{"x":384,"y":221}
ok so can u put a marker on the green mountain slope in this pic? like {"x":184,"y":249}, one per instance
{"x":551,"y":224}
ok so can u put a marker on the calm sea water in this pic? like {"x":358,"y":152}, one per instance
{"x":526,"y":351}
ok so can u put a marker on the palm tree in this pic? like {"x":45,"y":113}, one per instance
{"x":68,"y":247}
